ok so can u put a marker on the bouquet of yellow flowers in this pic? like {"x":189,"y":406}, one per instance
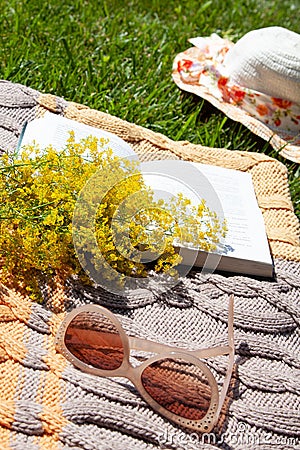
{"x":39,"y":195}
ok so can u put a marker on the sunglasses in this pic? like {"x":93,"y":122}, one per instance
{"x":174,"y":382}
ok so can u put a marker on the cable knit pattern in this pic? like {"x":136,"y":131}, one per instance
{"x":46,"y":403}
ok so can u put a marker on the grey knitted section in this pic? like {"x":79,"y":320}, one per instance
{"x":262,"y":407}
{"x":17,"y":106}
{"x":263,"y":403}
{"x":265,"y":396}
{"x":22,"y":442}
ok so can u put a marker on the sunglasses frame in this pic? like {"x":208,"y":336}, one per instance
{"x":163,"y":351}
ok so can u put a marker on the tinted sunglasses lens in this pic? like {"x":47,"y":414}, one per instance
{"x":179,"y":386}
{"x":95,"y":340}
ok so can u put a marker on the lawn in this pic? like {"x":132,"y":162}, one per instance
{"x":117,"y":56}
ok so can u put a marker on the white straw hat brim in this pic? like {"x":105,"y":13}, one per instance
{"x":190,"y":71}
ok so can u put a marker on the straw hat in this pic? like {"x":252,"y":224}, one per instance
{"x":255,"y":81}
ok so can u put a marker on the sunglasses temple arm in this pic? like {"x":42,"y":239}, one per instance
{"x":231,"y":357}
{"x":156,"y":347}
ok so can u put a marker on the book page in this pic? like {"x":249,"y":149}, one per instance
{"x":246,"y":237}
{"x":231,"y":195}
{"x":53,"y":129}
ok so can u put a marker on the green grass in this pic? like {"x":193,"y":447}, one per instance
{"x":117,"y":56}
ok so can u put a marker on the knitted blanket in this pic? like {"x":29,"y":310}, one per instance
{"x":46,"y":403}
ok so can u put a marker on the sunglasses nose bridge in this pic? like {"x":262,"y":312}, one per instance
{"x":133,"y":375}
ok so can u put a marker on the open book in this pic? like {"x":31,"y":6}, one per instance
{"x":245,"y":249}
